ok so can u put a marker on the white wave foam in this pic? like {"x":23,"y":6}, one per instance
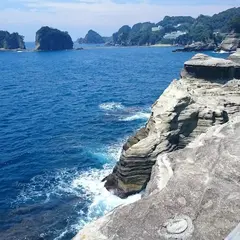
{"x":109,"y":154}
{"x":221,"y":51}
{"x":87,"y":185}
{"x":114,"y":151}
{"x":61,"y":235}
{"x":43,"y":187}
{"x":102,"y":200}
{"x":137,"y":116}
{"x":111,"y":106}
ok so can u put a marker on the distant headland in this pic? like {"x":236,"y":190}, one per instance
{"x":91,"y":37}
{"x":204,"y":33}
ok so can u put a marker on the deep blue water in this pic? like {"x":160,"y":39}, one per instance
{"x":63,"y":118}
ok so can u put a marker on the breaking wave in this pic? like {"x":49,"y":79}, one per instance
{"x":111,"y":106}
{"x":137,"y":116}
{"x":125,"y":114}
{"x":84,"y":186}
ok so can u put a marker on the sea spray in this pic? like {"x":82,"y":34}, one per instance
{"x":111,"y":106}
{"x":136,"y":116}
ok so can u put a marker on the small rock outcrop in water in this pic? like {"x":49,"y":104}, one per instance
{"x":197,"y":47}
{"x":50,"y":39}
{"x":11,"y":41}
{"x":91,"y":37}
{"x":206,"y":95}
{"x":194,"y":193}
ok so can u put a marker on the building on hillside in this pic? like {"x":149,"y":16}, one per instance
{"x":158,"y":28}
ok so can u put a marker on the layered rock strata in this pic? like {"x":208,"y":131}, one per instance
{"x":194,"y":193}
{"x":207,"y":94}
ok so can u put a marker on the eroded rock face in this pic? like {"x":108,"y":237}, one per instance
{"x":230,"y":43}
{"x":235,"y":57}
{"x":208,"y":94}
{"x":197,"y":47}
{"x":201,"y":198}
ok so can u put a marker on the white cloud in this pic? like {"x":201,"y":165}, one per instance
{"x":104,"y":16}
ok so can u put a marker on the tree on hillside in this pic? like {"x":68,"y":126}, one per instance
{"x":235,"y":24}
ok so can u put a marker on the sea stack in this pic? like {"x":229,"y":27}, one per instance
{"x":91,"y":37}
{"x":50,"y":39}
{"x":11,"y":41}
{"x":206,"y":95}
{"x":190,"y":152}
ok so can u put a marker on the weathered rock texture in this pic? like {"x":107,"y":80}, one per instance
{"x":197,"y":47}
{"x":193,"y":193}
{"x":230,"y":43}
{"x":235,"y":57}
{"x":208,"y":94}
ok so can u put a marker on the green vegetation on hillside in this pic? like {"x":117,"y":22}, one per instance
{"x":235,"y":24}
{"x":50,"y":39}
{"x":180,"y":29}
{"x":11,"y":41}
{"x":91,"y":37}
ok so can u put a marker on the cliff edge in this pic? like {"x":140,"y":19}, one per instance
{"x":193,"y":193}
{"x":207,"y":94}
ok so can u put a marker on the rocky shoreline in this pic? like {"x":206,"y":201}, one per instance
{"x":203,"y":97}
{"x":193,"y":193}
{"x":197,"y":47}
{"x":189,"y":150}
{"x":230,"y":44}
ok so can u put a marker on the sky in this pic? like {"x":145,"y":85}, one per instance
{"x":103,"y":16}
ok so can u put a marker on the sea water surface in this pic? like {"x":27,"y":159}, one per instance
{"x":63,"y":119}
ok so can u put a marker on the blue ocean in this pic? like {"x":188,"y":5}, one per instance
{"x":63,"y":119}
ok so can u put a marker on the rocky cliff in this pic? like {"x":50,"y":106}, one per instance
{"x":230,"y":43}
{"x":235,"y":56}
{"x":194,"y":193}
{"x":50,"y":39}
{"x":206,"y":95}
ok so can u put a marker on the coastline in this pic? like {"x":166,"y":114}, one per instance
{"x":201,"y":114}
{"x":162,"y":45}
{"x":86,"y":48}
{"x":13,"y":50}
